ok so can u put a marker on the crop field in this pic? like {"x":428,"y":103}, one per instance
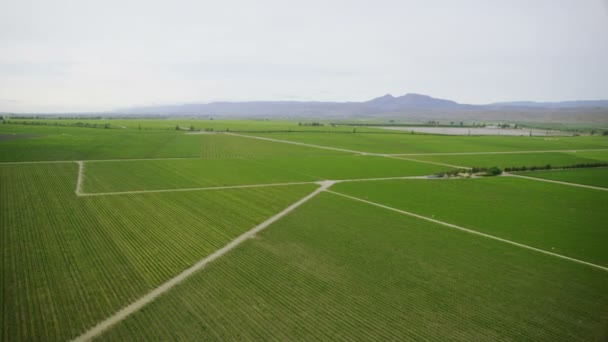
{"x":593,"y":177}
{"x":140,"y":231}
{"x":503,"y":160}
{"x":68,"y":262}
{"x":192,"y":173}
{"x":343,"y":270}
{"x":406,"y":143}
{"x":539,"y":214}
{"x":197,"y":124}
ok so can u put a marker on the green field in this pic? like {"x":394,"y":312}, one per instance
{"x":68,"y":261}
{"x":519,"y":159}
{"x":342,"y":270}
{"x":70,"y":143}
{"x":593,"y":177}
{"x":193,"y":173}
{"x":78,"y":245}
{"x":419,"y":143}
{"x":198,"y":124}
{"x":557,"y":218}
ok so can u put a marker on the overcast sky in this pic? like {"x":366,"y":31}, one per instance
{"x":100,"y":55}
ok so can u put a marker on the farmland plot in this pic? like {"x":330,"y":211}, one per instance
{"x":193,"y":173}
{"x":189,"y":173}
{"x":557,"y":218}
{"x":69,"y":262}
{"x":71,"y":143}
{"x":418,"y":143}
{"x":593,"y":177}
{"x":519,"y":159}
{"x":337,"y":269}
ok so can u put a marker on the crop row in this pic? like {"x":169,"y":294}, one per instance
{"x":420,"y":143}
{"x":593,"y":177}
{"x":69,"y":262}
{"x":192,"y":173}
{"x":520,"y":160}
{"x":557,"y":218}
{"x":336,"y":269}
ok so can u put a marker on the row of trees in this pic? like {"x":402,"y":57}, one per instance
{"x":480,"y":171}
{"x":46,"y":123}
{"x":316,"y":124}
{"x":550,"y":167}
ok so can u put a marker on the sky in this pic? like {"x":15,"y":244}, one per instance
{"x":70,"y":56}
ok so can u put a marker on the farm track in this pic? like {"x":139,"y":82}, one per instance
{"x":499,"y":152}
{"x":151,"y":296}
{"x":316,"y":146}
{"x":263,"y":185}
{"x":557,"y":182}
{"x":79,"y":179}
{"x":470,"y":231}
{"x":349,"y":151}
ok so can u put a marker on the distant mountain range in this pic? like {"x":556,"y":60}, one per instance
{"x":414,"y":106}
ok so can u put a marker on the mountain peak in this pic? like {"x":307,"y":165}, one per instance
{"x":409,"y":100}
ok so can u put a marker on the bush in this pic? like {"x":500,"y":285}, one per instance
{"x":493,"y":171}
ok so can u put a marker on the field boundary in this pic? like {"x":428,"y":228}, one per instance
{"x":245,"y":186}
{"x":168,"y":285}
{"x":299,"y":143}
{"x":296,"y":143}
{"x":470,"y":231}
{"x":557,"y":182}
{"x":79,"y":178}
{"x":497,"y":152}
{"x":349,"y":151}
{"x":193,"y":189}
{"x":428,"y":162}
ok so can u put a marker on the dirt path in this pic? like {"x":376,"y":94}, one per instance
{"x":427,"y":162}
{"x":151,"y":296}
{"x":349,"y":151}
{"x":263,"y":185}
{"x":193,"y":189}
{"x":556,"y":182}
{"x":94,"y":160}
{"x":299,"y":143}
{"x":471,"y":231}
{"x":499,"y":152}
{"x":309,"y":145}
{"x":79,"y":179}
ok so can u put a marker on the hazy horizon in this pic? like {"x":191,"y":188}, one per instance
{"x":69,"y":56}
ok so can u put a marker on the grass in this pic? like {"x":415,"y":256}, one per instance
{"x":69,"y":262}
{"x":593,"y":177}
{"x":557,"y":218}
{"x":193,"y":173}
{"x":419,"y":143}
{"x":341,"y":270}
{"x":519,"y":159}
